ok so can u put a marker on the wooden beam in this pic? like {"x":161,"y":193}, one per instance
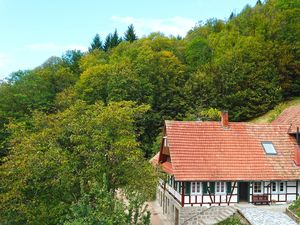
{"x":182,"y":193}
{"x":234,"y":184}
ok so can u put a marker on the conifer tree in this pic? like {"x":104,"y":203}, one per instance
{"x":112,"y":40}
{"x":231,"y":16}
{"x":178,"y":37}
{"x":96,"y":44}
{"x":258,"y":2}
{"x":107,"y":43}
{"x":130,"y":35}
{"x":115,"y":40}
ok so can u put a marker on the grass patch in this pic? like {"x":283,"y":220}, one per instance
{"x":295,"y":207}
{"x":234,"y":220}
{"x":272,"y":114}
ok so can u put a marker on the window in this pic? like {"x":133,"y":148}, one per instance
{"x":274,"y":187}
{"x":170,"y":180}
{"x":178,"y":186}
{"x":269,"y":148}
{"x":257,"y":187}
{"x":220,"y":188}
{"x":165,"y":141}
{"x":281,"y":185}
{"x":195,"y":187}
{"x":278,"y":187}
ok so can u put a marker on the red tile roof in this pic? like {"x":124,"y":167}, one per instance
{"x":166,"y":166}
{"x":289,"y":116}
{"x":208,"y":152}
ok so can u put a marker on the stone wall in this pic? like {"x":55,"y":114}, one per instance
{"x":293,"y":215}
{"x":169,"y":206}
{"x":188,"y":213}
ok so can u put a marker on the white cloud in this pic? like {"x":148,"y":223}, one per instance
{"x":174,"y":25}
{"x":4,"y":60}
{"x":49,"y":47}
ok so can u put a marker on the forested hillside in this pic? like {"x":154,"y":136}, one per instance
{"x":79,"y":127}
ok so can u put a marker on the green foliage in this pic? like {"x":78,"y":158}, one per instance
{"x":129,"y":34}
{"x":115,"y":39}
{"x":98,"y":206}
{"x":272,"y":114}
{"x":62,"y":154}
{"x":231,"y":16}
{"x":258,"y":2}
{"x":210,"y":114}
{"x":240,"y":78}
{"x":234,"y":220}
{"x":32,"y":91}
{"x":111,"y":41}
{"x":277,"y":110}
{"x":91,"y":59}
{"x":71,"y":60}
{"x":198,"y":52}
{"x":295,"y":207}
{"x":66,"y":124}
{"x":142,"y":72}
{"x":96,"y":44}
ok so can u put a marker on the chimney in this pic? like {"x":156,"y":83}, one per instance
{"x":224,"y":119}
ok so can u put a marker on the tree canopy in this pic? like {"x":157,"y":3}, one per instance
{"x":57,"y":160}
{"x":80,"y":128}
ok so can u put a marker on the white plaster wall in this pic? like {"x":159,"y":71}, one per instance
{"x":291,"y":198}
{"x":291,"y":190}
{"x":291,"y":183}
{"x":173,"y":192}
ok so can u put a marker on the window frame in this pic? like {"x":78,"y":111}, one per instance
{"x":261,"y":187}
{"x":197,"y":185}
{"x":284,"y":187}
{"x":269,"y":142}
{"x":276,"y":187}
{"x":220,"y":185}
{"x":166,"y":143}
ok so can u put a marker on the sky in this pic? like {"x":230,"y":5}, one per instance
{"x":31,"y":31}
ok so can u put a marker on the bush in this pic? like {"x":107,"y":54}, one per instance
{"x":295,"y":207}
{"x":234,"y":220}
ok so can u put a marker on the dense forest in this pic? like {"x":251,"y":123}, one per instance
{"x":76,"y":133}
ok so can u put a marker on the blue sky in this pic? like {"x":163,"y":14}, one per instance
{"x":33,"y":30}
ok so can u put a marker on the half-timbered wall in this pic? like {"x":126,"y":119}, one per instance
{"x":292,"y":190}
{"x":209,"y":197}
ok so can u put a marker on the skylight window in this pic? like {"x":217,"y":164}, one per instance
{"x":269,"y":148}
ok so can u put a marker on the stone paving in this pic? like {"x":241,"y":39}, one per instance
{"x":260,"y":216}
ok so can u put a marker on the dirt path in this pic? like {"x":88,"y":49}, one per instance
{"x":157,"y":217}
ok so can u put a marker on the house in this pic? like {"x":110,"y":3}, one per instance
{"x":224,"y":163}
